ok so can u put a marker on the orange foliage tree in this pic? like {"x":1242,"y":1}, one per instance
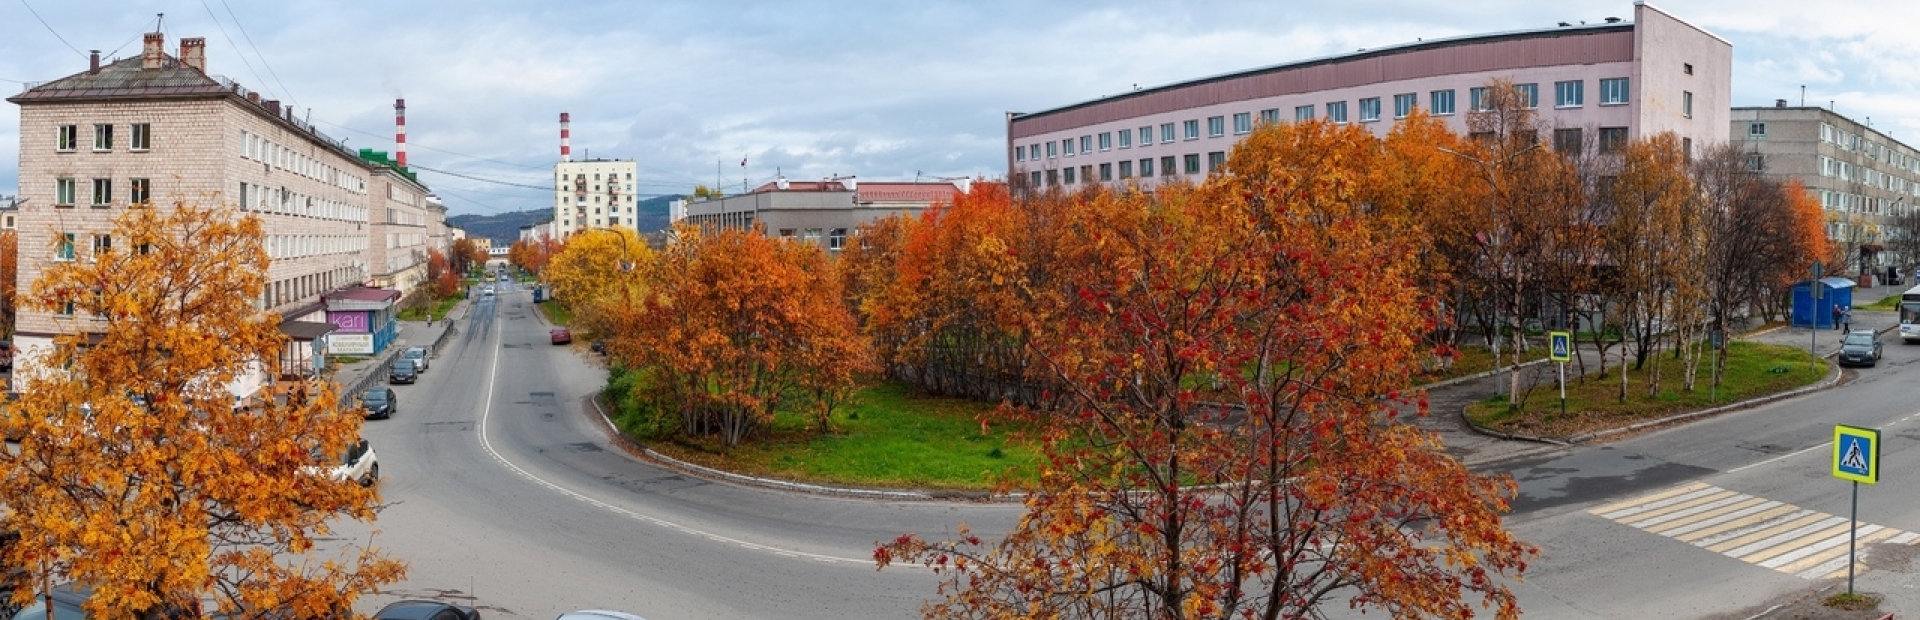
{"x":532,"y":255}
{"x":735,"y":326}
{"x":136,"y":474}
{"x":465,"y":254}
{"x":1231,"y":356}
{"x":9,"y":286}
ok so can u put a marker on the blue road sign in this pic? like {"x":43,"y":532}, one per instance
{"x":1856,"y":454}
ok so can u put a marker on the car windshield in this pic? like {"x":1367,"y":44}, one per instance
{"x":1860,"y":339}
{"x":403,"y":365}
{"x":376,"y":396}
{"x":415,"y":353}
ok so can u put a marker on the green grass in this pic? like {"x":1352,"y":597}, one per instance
{"x":1753,"y":370}
{"x":1888,"y":303}
{"x":556,"y":312}
{"x":889,"y":437}
{"x":1475,"y":359}
{"x":440,"y":309}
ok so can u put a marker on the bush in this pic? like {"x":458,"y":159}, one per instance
{"x":639,"y":418}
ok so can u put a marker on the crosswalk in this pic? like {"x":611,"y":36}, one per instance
{"x":1756,"y":530}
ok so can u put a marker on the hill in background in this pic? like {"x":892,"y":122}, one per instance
{"x":504,"y":228}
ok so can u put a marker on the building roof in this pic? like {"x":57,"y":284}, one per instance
{"x":903,"y":192}
{"x":801,"y":186}
{"x":306,"y":330}
{"x":126,"y":79}
{"x":361,"y":293}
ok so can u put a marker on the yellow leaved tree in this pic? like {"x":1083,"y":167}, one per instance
{"x":598,"y":275}
{"x":137,"y":475}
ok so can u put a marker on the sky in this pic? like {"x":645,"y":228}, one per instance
{"x":885,"y":91}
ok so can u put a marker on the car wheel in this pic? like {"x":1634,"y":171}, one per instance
{"x":373,"y":475}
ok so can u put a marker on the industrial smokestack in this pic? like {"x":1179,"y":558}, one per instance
{"x":566,"y":150}
{"x":400,"y":132}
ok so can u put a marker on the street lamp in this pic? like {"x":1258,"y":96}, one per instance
{"x":1492,"y":243}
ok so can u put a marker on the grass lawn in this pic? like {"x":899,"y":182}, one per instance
{"x":440,"y":309}
{"x":1888,"y":303}
{"x":889,"y":437}
{"x":1471,"y":359}
{"x":1753,"y":370}
{"x":557,"y":313}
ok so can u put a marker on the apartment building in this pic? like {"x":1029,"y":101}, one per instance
{"x":402,"y":212}
{"x":1861,"y":176}
{"x":823,"y":213}
{"x":1598,"y":85}
{"x":158,"y":129}
{"x":595,"y":193}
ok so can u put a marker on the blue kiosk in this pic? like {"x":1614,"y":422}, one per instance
{"x":1834,"y":291}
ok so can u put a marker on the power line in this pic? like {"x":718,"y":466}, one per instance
{"x":230,"y":42}
{"x":423,"y":146}
{"x":256,"y":50}
{"x":136,"y":37}
{"x":56,"y":34}
{"x":544,"y":188}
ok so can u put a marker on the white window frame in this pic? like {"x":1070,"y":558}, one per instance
{"x":1615,"y":91}
{"x":1441,"y":102}
{"x":1569,"y":94}
{"x":1303,"y":113}
{"x":1404,"y":103}
{"x":140,"y":137}
{"x":1243,"y":123}
{"x":102,"y":137}
{"x":1369,"y":109}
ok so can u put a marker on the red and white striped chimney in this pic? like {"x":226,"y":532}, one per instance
{"x":400,"y":132}
{"x":566,"y":150}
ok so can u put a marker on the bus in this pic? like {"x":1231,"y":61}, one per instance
{"x":1910,"y":315}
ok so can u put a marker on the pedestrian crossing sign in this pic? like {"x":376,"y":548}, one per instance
{"x":1560,"y":346}
{"x":1856,"y":454}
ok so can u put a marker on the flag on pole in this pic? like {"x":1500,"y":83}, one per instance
{"x":743,"y":161}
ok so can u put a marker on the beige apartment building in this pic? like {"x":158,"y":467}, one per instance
{"x":595,"y":193}
{"x":823,"y":213}
{"x":1861,"y":177}
{"x":159,"y":129}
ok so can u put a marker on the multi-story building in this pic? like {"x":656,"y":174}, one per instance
{"x":819,"y":212}
{"x":1601,"y":84}
{"x":160,"y":130}
{"x":1861,"y":177}
{"x":400,"y":221}
{"x":595,"y":193}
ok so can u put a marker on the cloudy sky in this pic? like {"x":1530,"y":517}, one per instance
{"x":882,"y":90}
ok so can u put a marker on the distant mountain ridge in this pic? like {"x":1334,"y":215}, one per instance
{"x":504,"y":228}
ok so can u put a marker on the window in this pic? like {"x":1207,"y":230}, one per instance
{"x":64,"y":252}
{"x":1106,"y":172}
{"x":140,"y":136}
{"x":1570,"y":94}
{"x":1066,"y":147}
{"x":1686,"y":150}
{"x":1050,"y":153}
{"x":1086,"y":144}
{"x":1166,"y":133}
{"x":1216,"y":126}
{"x":1478,"y":98}
{"x":1403,"y":104}
{"x":1337,"y":112}
{"x":1529,"y":95}
{"x":1019,"y":154}
{"x":1192,"y":129}
{"x":1243,"y":122}
{"x":1441,"y":102}
{"x":69,"y":138}
{"x":103,"y":137}
{"x":63,"y":192}
{"x":1612,"y":139}
{"x":139,"y":192}
{"x":1106,"y":141}
{"x":1271,"y":116}
{"x":1034,"y":178}
{"x":1567,"y":141}
{"x":1826,"y":166}
{"x":1192,"y":161}
{"x":1146,"y":167}
{"x":1146,"y":136}
{"x":1687,"y":68}
{"x":1166,"y":166}
{"x":1302,"y":113}
{"x":1067,"y":175}
{"x":1216,"y":161}
{"x":1369,"y":109}
{"x":1686,"y":103}
{"x":101,"y":245}
{"x":1126,"y":138}
{"x":1126,"y":168}
{"x":102,"y":192}
{"x":1613,"y":91}
{"x":836,"y":239}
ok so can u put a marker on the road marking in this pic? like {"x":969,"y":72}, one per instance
{"x":486,"y":412}
{"x":1766,"y":533}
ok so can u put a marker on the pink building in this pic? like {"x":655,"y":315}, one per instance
{"x":1598,"y":85}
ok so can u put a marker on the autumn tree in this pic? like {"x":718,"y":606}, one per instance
{"x":135,"y":473}
{"x":868,"y":269}
{"x":735,"y":326}
{"x":1651,"y":237}
{"x":9,"y":287}
{"x":465,"y":255}
{"x":1757,"y":245}
{"x":599,"y":275}
{"x":532,"y":255}
{"x":1225,"y":448}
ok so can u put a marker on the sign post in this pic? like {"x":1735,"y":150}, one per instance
{"x":1718,"y":340}
{"x":1856,"y":457}
{"x":1813,"y":322}
{"x":1560,"y":349}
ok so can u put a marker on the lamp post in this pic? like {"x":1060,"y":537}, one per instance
{"x":1492,"y":243}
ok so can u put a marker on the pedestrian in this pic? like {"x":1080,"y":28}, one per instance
{"x":1836,"y":317}
{"x":1846,"y":319}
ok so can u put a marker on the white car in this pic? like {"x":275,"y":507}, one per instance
{"x":360,"y":464}
{"x":418,"y":355}
{"x":488,"y":291}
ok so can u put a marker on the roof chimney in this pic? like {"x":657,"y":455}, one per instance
{"x":1779,"y":103}
{"x":93,"y":63}
{"x":400,"y":132}
{"x":154,"y":49}
{"x":566,"y":151}
{"x":193,"y":53}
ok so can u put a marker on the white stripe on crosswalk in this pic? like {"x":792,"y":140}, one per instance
{"x":1759,"y":531}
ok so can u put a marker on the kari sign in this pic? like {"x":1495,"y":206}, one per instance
{"x":350,"y":322}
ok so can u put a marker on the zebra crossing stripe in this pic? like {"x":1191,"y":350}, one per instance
{"x":1685,"y":488}
{"x":1766,"y":533}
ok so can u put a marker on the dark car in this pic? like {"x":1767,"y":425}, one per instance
{"x":380,"y":402}
{"x":426,"y":610}
{"x":402,"y":371}
{"x":560,"y":335}
{"x":1859,"y":348}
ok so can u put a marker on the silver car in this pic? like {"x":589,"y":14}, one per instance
{"x":419,"y":356}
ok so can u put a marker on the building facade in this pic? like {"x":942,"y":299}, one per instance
{"x":401,"y":216}
{"x":1862,"y":177}
{"x":1601,"y":84}
{"x":595,"y":193}
{"x":824,"y":213}
{"x":159,"y":130}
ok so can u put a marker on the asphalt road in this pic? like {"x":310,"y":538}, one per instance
{"x":507,"y":493}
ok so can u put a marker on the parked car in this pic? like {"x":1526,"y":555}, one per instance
{"x":380,"y":402}
{"x":402,"y":371}
{"x":1860,"y":348}
{"x":560,"y":335}
{"x":600,"y":346}
{"x":418,"y":355}
{"x":68,"y":599}
{"x":425,"y":610}
{"x":359,"y":464}
{"x":598,"y":614}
